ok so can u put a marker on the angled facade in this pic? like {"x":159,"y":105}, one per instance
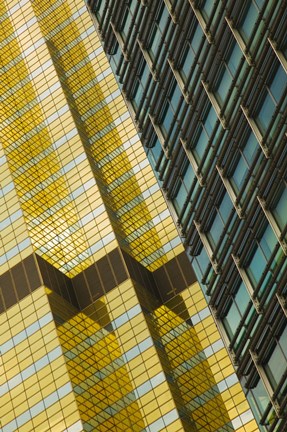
{"x":206,"y":84}
{"x":103,"y":326}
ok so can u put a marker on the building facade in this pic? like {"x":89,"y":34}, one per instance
{"x":103,"y":326}
{"x":206,"y":84}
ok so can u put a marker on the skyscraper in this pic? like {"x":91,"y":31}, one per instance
{"x":206,"y":84}
{"x":103,"y":326}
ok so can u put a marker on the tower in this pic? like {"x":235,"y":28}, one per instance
{"x":206,"y":84}
{"x":103,"y":326}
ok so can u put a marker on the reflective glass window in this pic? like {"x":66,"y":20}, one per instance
{"x":140,"y":84}
{"x":100,"y":9}
{"x":243,"y":163}
{"x":190,"y":50}
{"x":227,"y":74}
{"x":219,"y":221}
{"x":157,"y":30}
{"x":279,"y":210}
{"x":258,"y":399}
{"x":204,"y":133}
{"x":277,"y":362}
{"x":207,"y":8}
{"x":248,"y":21}
{"x":262,"y":251}
{"x":236,"y":309}
{"x":170,"y":109}
{"x":127,"y":18}
{"x":184,"y":184}
{"x":273,"y":94}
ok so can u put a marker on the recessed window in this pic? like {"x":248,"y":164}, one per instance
{"x":227,"y":74}
{"x":157,"y":31}
{"x":248,"y":21}
{"x":235,"y":310}
{"x":279,"y":209}
{"x":258,"y":399}
{"x":183,"y":187}
{"x":222,"y":213}
{"x":273,"y":93}
{"x":190,"y":50}
{"x":242,"y":165}
{"x":204,"y":132}
{"x":259,"y":260}
{"x":276,"y":364}
{"x":140,"y":84}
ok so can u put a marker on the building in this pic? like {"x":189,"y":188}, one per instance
{"x":103,"y":326}
{"x":206,"y":84}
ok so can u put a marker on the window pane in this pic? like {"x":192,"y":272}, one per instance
{"x":196,"y":39}
{"x":266,"y":112}
{"x":239,"y":175}
{"x":225,"y":207}
{"x":250,"y":149}
{"x":223,"y":86}
{"x":242,"y":298}
{"x":200,"y":146}
{"x":268,"y":242}
{"x":231,"y":321}
{"x":234,"y":59}
{"x":207,"y":8}
{"x":180,"y":197}
{"x":258,"y":400}
{"x":278,"y":84}
{"x":215,"y":231}
{"x":277,"y":363}
{"x":248,"y":22}
{"x":188,"y":59}
{"x":256,"y":267}
{"x":210,"y":121}
{"x":280,"y":210}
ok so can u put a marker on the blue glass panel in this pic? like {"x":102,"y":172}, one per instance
{"x":277,"y":363}
{"x":276,"y":366}
{"x":280,"y":210}
{"x":180,"y":198}
{"x":259,"y":3}
{"x":145,"y":75}
{"x":210,"y":121}
{"x":215,"y":230}
{"x":188,"y":176}
{"x":256,"y":266}
{"x":234,"y":59}
{"x":242,"y":298}
{"x":188,"y":60}
{"x":158,"y":30}
{"x":278,"y":85}
{"x":225,"y":207}
{"x":268,"y":242}
{"x":168,"y":119}
{"x":207,"y":8}
{"x":258,"y":399}
{"x":239,"y":175}
{"x":137,"y":95}
{"x":224,"y":85}
{"x":249,"y":21}
{"x":202,"y":260}
{"x":250,"y":148}
{"x":196,"y":38}
{"x":156,"y":150}
{"x":100,"y":9}
{"x":126,"y":23}
{"x":266,"y":112}
{"x":200,"y":146}
{"x":231,"y":321}
{"x":175,"y":98}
